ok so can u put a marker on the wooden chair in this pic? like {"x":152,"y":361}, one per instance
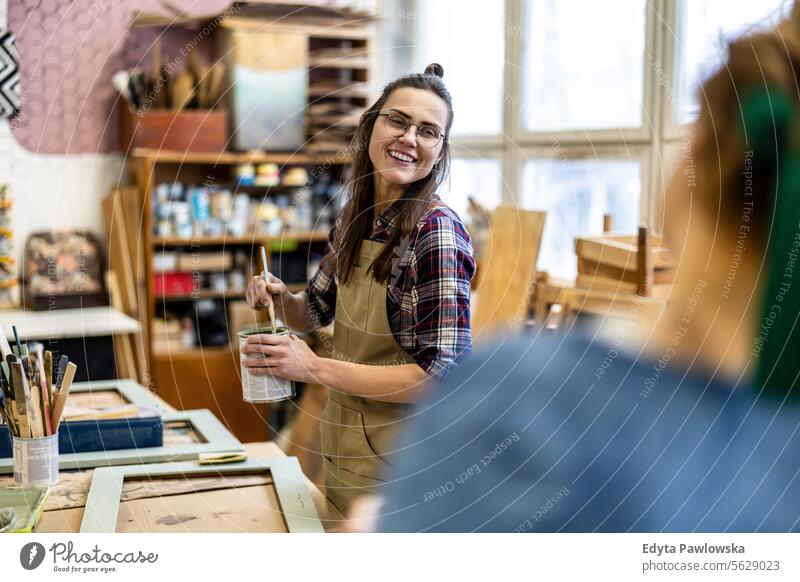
{"x":507,"y":280}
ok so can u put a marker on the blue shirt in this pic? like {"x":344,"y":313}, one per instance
{"x":572,"y":434}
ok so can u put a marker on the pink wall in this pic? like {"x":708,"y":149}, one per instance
{"x":69,"y":50}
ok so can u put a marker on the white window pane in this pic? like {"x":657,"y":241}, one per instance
{"x":468,"y":38}
{"x":576,"y":194}
{"x":705,"y":29}
{"x":476,"y":178}
{"x":584,"y":64}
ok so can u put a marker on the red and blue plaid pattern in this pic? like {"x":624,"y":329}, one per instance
{"x":427,"y":301}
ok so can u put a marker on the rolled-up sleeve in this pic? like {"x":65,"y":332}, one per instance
{"x":322,"y":288}
{"x":443,"y":266}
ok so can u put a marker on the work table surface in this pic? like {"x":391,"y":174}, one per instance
{"x":66,"y":323}
{"x":66,"y":501}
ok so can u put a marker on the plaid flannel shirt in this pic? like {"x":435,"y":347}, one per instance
{"x":427,"y":301}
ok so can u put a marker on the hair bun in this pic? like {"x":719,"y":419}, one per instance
{"x":435,"y":69}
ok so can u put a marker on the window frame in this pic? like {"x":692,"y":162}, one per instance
{"x":580,"y":152}
{"x":657,"y":134}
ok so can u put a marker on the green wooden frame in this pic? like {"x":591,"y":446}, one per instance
{"x":291,"y":486}
{"x":218,"y":440}
{"x":131,"y":391}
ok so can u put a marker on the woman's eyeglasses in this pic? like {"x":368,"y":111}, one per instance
{"x":428,"y":136}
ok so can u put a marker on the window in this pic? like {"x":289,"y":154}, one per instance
{"x":576,"y":194}
{"x":584,"y":64}
{"x":573,"y":85}
{"x":705,"y":28}
{"x":477,"y":178}
{"x":467,"y":38}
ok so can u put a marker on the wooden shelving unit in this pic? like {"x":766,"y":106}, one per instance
{"x":245,"y":240}
{"x":236,"y":158}
{"x":341,"y":59}
{"x":212,"y":372}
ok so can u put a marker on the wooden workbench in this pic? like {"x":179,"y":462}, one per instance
{"x":148,"y":510}
{"x":195,"y":505}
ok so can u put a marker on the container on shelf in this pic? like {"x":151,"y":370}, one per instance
{"x":196,"y":130}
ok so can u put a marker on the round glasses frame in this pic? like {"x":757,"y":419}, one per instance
{"x":393,"y":131}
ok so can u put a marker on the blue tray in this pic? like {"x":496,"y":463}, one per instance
{"x":87,"y":436}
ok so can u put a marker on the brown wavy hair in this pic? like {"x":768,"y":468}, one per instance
{"x":760,"y":60}
{"x":417,"y":198}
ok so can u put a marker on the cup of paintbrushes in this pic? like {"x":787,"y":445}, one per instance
{"x":33,"y":413}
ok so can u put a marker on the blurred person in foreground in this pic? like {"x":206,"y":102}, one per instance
{"x":689,"y":423}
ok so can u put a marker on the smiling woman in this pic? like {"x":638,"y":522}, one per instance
{"x":396,"y":280}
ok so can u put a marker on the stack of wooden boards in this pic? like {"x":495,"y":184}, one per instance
{"x":613,"y":263}
{"x":126,"y":282}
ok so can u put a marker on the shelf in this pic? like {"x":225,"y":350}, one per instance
{"x":256,"y":189}
{"x":351,"y":92}
{"x":242,"y":240}
{"x":235,"y":158}
{"x":201,"y":294}
{"x":340,"y":63}
{"x":208,"y":294}
{"x":179,"y":351}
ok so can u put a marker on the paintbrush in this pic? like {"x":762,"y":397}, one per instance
{"x":48,"y":371}
{"x":46,"y":411}
{"x":16,"y":340}
{"x":266,"y":280}
{"x":17,"y":396}
{"x":62,"y":367}
{"x":7,"y":415}
{"x":63,"y":393}
{"x":23,"y":397}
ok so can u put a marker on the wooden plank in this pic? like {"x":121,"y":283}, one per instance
{"x":344,"y":31}
{"x":644,"y":263}
{"x":250,"y":509}
{"x":119,"y":253}
{"x":146,"y":488}
{"x":134,"y":218}
{"x":67,"y":520}
{"x":65,"y":502}
{"x":319,"y":236}
{"x":609,"y":304}
{"x":68,"y":323}
{"x":103,"y":505}
{"x":594,"y":269}
{"x":123,"y":346}
{"x":144,"y":170}
{"x":620,"y":251}
{"x":220,"y":159}
{"x":611,"y":286}
{"x":506,"y":285}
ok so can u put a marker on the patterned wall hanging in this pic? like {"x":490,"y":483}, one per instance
{"x":9,"y":75}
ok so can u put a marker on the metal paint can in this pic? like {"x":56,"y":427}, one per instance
{"x":266,"y":388}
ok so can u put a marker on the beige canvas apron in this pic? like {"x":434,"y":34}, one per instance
{"x":358,"y":434}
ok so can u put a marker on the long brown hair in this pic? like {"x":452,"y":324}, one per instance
{"x":770,"y":58}
{"x":356,"y":221}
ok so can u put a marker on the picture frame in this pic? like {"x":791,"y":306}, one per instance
{"x":296,"y":504}
{"x":217,"y":439}
{"x":130,"y":391}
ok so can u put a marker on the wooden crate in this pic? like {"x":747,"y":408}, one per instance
{"x":195,"y":130}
